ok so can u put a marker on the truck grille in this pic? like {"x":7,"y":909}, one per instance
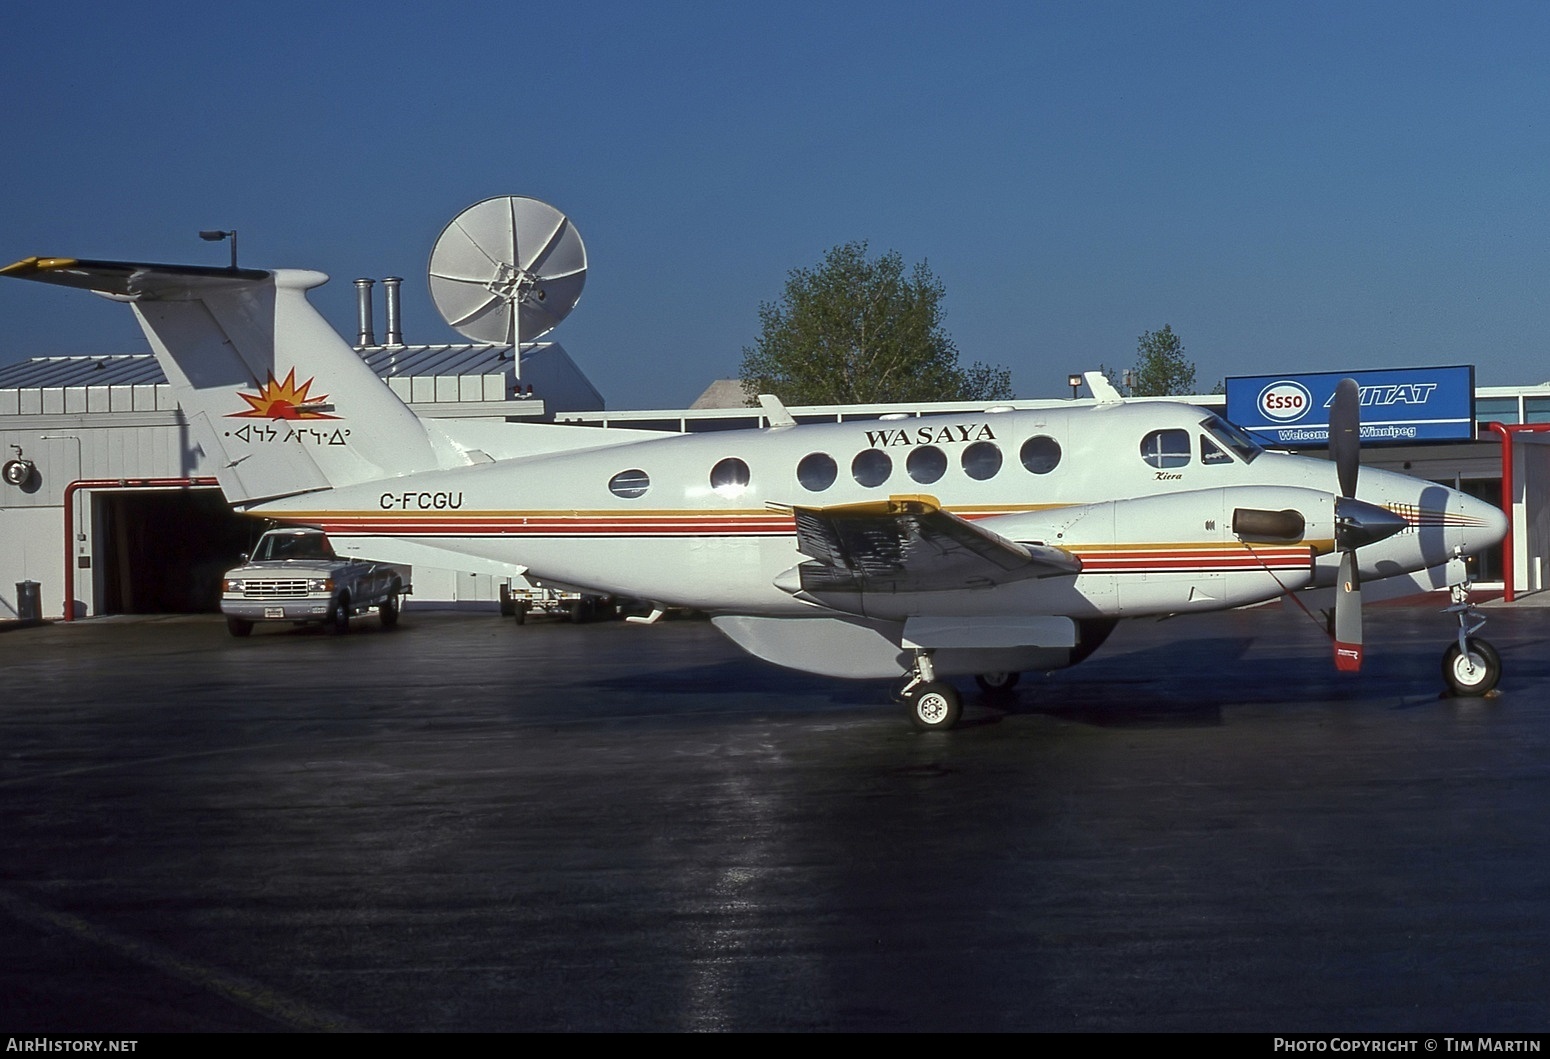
{"x":274,"y":589}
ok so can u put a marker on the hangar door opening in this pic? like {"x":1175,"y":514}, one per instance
{"x":163,"y":551}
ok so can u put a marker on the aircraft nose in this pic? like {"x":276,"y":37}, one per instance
{"x":1482,"y":522}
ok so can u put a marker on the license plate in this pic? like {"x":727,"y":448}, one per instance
{"x":274,"y":612}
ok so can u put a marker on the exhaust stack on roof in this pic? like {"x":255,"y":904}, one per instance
{"x":395,"y":331}
{"x":364,"y":334}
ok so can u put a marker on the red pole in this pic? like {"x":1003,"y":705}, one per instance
{"x":1509,"y":489}
{"x":1508,"y":592}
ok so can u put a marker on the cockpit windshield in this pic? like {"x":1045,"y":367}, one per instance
{"x":1233,"y":437}
{"x":276,"y":546}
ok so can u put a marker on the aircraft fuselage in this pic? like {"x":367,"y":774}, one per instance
{"x":1143,"y":494}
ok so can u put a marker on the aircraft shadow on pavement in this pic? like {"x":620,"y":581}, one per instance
{"x":1181,"y":683}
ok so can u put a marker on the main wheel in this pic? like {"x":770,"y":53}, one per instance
{"x":997,"y":683}
{"x":238,"y":626}
{"x":1473,"y":672}
{"x":935,"y":707}
{"x":339,"y":617}
{"x":388,"y":611}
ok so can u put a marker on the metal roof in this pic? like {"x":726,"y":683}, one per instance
{"x":41,"y":372}
{"x":408,"y":361}
{"x":141,"y":368}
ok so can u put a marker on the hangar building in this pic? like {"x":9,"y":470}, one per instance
{"x":118,"y":511}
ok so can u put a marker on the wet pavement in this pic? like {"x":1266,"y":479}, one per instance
{"x":467,"y":825}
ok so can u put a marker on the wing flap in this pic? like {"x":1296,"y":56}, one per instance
{"x":909,"y":544}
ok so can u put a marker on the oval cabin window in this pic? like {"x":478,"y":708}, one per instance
{"x":981,"y":460}
{"x":1040,"y":455}
{"x":926,"y":464}
{"x":629,"y":484}
{"x":730,"y":476}
{"x":817,"y":471}
{"x":871,"y":467}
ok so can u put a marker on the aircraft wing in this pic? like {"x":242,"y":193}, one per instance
{"x":130,"y":279}
{"x":909,"y":544}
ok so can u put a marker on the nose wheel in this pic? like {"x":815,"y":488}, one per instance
{"x":1471,"y":667}
{"x":1472,"y":670}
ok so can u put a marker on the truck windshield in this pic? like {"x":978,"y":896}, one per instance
{"x":293,"y":546}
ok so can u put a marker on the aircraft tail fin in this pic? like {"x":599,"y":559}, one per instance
{"x":277,"y":399}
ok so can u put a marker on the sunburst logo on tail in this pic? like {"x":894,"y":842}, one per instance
{"x":284,"y":400}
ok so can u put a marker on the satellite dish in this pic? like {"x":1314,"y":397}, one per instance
{"x":507,"y":270}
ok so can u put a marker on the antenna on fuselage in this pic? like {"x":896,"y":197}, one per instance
{"x":1102,"y":389}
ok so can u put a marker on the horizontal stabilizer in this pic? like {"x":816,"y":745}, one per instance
{"x":132,"y":279}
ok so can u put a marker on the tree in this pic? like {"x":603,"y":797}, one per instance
{"x":857,"y":331}
{"x":1161,"y":370}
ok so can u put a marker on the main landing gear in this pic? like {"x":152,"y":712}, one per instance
{"x":1471,"y":667}
{"x":934,"y":705}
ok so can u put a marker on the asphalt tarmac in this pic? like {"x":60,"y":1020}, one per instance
{"x":466,"y":825}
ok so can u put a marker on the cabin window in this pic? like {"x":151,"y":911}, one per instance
{"x":729,"y":477}
{"x":926,"y":464}
{"x":871,"y":467}
{"x":1040,"y":455}
{"x":628,"y":485}
{"x":817,"y":471}
{"x":1166,"y":448}
{"x":981,"y":460}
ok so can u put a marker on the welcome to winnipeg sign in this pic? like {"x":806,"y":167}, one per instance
{"x":1398,"y":405}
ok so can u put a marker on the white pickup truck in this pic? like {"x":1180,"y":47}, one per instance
{"x":293,"y":575}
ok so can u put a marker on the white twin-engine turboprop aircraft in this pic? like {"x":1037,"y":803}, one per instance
{"x":984,"y":543}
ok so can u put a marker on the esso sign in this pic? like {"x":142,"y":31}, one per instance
{"x":1284,"y":401}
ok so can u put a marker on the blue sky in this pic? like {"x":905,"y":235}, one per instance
{"x":1291,"y":186}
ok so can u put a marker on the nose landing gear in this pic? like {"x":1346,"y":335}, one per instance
{"x":1471,"y":667}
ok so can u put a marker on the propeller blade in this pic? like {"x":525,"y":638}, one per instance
{"x":1345,"y":434}
{"x":1348,"y":615}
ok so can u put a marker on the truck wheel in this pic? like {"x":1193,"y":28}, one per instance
{"x":238,"y":626}
{"x":339,"y":617}
{"x":388,"y":611}
{"x":521,"y":612}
